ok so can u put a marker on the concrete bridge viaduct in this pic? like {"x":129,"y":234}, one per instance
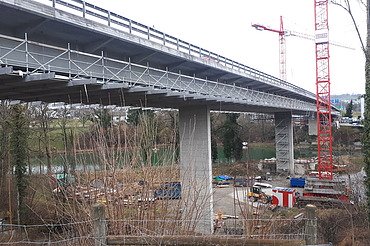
{"x":74,"y":52}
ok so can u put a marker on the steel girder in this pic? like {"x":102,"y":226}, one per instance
{"x":35,"y":58}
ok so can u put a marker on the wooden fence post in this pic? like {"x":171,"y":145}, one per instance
{"x":99,"y":224}
{"x":311,"y":225}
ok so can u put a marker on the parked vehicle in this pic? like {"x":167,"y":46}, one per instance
{"x":262,"y":185}
{"x":241,"y":182}
{"x":256,"y":193}
{"x":168,"y":190}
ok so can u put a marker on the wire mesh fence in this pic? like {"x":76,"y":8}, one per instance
{"x":77,"y":233}
{"x":83,"y":233}
{"x":279,"y":229}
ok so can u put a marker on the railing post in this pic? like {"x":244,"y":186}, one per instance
{"x":109,"y":20}
{"x":54,"y":3}
{"x":130,"y":26}
{"x":69,"y":61}
{"x":83,"y":9}
{"x":311,"y":225}
{"x":130,"y":69}
{"x":99,"y":224}
{"x":148,"y":32}
{"x":103,"y":65}
{"x":26,"y":49}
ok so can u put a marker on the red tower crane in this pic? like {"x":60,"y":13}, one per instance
{"x":324,"y":125}
{"x":282,"y":45}
{"x":324,"y":117}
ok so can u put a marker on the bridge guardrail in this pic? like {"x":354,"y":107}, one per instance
{"x":90,"y":11}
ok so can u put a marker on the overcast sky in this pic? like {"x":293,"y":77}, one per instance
{"x":224,"y":27}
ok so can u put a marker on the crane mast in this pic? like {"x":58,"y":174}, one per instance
{"x":282,"y":51}
{"x":324,"y":125}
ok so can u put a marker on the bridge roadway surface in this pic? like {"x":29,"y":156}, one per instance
{"x":75,"y":52}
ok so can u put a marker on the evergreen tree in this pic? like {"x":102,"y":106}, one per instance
{"x":231,"y":141}
{"x":103,"y":118}
{"x":349,"y":110}
{"x":19,"y":135}
{"x":148,"y":126}
{"x":4,"y":154}
{"x":133,"y":116}
{"x":214,"y":152}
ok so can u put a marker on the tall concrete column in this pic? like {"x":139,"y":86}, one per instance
{"x":284,"y":142}
{"x":312,"y":126}
{"x":196,"y":167}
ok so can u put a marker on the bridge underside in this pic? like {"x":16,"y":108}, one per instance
{"x":51,"y":87}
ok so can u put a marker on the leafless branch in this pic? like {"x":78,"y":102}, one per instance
{"x":347,"y":7}
{"x":363,"y":3}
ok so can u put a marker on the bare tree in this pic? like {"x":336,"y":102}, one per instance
{"x":42,"y":119}
{"x":5,"y":164}
{"x":346,"y":5}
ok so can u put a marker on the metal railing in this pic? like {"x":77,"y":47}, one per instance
{"x":36,"y":57}
{"x":98,"y":14}
{"x":83,"y":233}
{"x":252,"y":228}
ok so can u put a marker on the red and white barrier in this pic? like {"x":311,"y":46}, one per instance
{"x":283,"y":197}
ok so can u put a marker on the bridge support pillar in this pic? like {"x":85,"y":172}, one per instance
{"x":312,"y":126}
{"x":284,"y":142}
{"x":196,"y":167}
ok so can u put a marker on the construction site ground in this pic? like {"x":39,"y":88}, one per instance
{"x":231,"y":200}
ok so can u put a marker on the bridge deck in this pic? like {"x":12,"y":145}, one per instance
{"x":91,"y":30}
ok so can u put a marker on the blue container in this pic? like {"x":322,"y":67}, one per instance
{"x":297,"y":182}
{"x":168,"y":190}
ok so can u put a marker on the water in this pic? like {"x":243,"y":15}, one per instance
{"x":90,"y":161}
{"x":93,"y":161}
{"x":260,"y":152}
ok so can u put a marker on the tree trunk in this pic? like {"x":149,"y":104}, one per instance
{"x":47,"y":146}
{"x":366,"y":140}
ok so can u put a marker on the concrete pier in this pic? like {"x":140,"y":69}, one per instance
{"x":284,"y":142}
{"x":312,"y":127}
{"x":196,"y":167}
